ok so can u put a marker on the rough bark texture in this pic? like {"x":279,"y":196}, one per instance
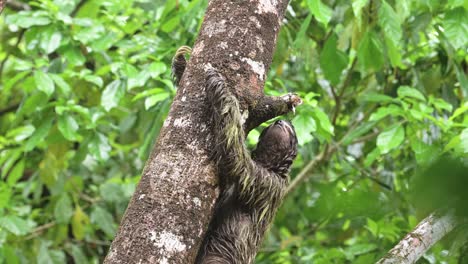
{"x":172,"y":206}
{"x":417,"y":242}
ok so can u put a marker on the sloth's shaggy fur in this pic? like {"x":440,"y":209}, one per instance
{"x":252,"y":186}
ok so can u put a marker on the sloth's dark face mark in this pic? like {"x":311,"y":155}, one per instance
{"x":277,"y":147}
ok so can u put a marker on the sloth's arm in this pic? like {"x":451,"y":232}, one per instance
{"x":256,"y":184}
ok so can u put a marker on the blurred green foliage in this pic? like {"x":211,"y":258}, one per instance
{"x":85,"y":87}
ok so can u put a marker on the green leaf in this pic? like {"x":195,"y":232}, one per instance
{"x":171,"y":24}
{"x":61,"y":84}
{"x":357,"y":9}
{"x":68,"y":127}
{"x":385,"y":111}
{"x":15,"y":225}
{"x":359,"y":131}
{"x":154,"y":99}
{"x":418,"y":115}
{"x":373,"y":227}
{"x":321,"y":12}
{"x":105,"y":42}
{"x":79,"y":223}
{"x":44,"y":82}
{"x":63,"y":210}
{"x":459,"y":111}
{"x":394,"y":53}
{"x":456,"y":27}
{"x":332,"y":60}
{"x":370,"y":52}
{"x":16,"y":173}
{"x":27,"y":19}
{"x":99,"y":147}
{"x":424,"y":153}
{"x":375,"y":98}
{"x":390,"y":139}
{"x":462,"y":78}
{"x":441,"y":104}
{"x":323,"y":120}
{"x":389,"y":22}
{"x":112,"y":94}
{"x":34,"y":102}
{"x":359,"y":249}
{"x":454,"y":143}
{"x":464,"y":140}
{"x":104,"y":221}
{"x":157,"y":68}
{"x":78,"y":254}
{"x":403,"y":9}
{"x":48,"y":256}
{"x":456,"y":3}
{"x":74,"y":56}
{"x":324,"y":127}
{"x":305,"y":125}
{"x":10,"y":255}
{"x":20,"y":133}
{"x":112,"y":192}
{"x":301,"y":35}
{"x":39,"y":134}
{"x":44,"y":257}
{"x":8,"y":84}
{"x":148,"y":92}
{"x":371,"y":157}
{"x":94,"y":79}
{"x":50,"y":40}
{"x":5,"y":195}
{"x":406,"y":91}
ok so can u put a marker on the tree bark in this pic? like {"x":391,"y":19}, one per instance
{"x":171,"y":208}
{"x":422,"y":238}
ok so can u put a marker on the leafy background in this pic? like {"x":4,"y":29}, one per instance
{"x":85,"y":87}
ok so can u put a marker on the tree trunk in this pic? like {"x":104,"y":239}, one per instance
{"x":417,"y":242}
{"x":171,"y":208}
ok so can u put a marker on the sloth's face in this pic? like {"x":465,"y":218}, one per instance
{"x":277,"y":147}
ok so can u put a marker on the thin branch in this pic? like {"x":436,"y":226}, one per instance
{"x":338,"y":97}
{"x":38,"y":230}
{"x":303,"y":174}
{"x":422,"y":238}
{"x":325,"y":155}
{"x":8,"y":109}
{"x":77,"y":8}
{"x":16,"y":5}
{"x":2,"y":4}
{"x":337,"y":104}
{"x":366,"y":137}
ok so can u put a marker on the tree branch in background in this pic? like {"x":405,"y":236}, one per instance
{"x":9,"y":109}
{"x":77,"y":8}
{"x":304,"y":172}
{"x":417,"y":242}
{"x":15,"y":5}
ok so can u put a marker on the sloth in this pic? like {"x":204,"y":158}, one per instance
{"x":252,"y":184}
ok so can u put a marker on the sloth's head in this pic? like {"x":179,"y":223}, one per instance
{"x":277,"y":147}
